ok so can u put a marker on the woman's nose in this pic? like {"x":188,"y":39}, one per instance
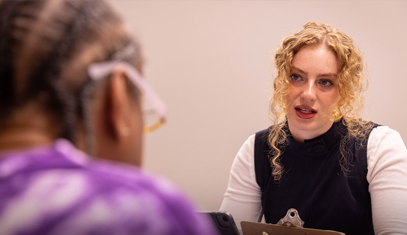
{"x":309,"y":92}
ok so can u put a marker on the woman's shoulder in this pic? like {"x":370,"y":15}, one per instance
{"x":384,"y":133}
{"x":385,"y":146}
{"x":74,"y":192}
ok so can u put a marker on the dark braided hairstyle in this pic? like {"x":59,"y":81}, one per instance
{"x":45,"y":49}
{"x":6,"y":83}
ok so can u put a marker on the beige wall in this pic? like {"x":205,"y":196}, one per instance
{"x":211,"y":61}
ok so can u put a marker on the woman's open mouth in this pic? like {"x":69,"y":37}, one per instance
{"x":305,"y":112}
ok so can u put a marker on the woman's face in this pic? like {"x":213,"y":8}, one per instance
{"x":314,"y":91}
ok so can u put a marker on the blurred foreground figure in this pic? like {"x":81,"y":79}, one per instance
{"x":70,"y":87}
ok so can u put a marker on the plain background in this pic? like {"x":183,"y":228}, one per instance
{"x":212,"y":63}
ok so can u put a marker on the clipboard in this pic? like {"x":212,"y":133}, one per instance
{"x":291,"y":224}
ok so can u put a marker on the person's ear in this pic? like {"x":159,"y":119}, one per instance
{"x":118,"y":111}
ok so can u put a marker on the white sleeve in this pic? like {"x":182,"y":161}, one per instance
{"x":387,"y":177}
{"x":243,"y":196}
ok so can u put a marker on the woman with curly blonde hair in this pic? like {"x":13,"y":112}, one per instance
{"x":340,"y":172}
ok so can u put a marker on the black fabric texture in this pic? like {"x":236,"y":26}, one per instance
{"x":314,"y":184}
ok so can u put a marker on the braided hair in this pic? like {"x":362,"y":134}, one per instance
{"x":45,"y":49}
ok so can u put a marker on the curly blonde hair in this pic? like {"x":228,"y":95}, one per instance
{"x":352,"y":82}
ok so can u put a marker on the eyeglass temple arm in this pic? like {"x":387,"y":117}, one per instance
{"x":100,"y":70}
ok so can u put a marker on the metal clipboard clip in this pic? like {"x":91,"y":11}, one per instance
{"x":291,"y":224}
{"x":292,"y":218}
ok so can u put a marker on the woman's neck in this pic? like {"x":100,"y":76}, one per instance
{"x":302,"y":135}
{"x":28,"y":127}
{"x":23,"y":138}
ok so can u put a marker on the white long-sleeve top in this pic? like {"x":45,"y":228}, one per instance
{"x":386,"y":175}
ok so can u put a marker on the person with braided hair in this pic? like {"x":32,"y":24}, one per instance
{"x":70,"y":88}
{"x":319,"y":157}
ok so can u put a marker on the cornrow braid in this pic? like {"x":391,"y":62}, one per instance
{"x":6,"y":70}
{"x":49,"y":71}
{"x":46,"y":47}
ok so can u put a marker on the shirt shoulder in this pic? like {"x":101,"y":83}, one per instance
{"x":73,"y":194}
{"x":385,"y":150}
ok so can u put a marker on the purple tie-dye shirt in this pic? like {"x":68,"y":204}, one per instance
{"x":59,"y":190}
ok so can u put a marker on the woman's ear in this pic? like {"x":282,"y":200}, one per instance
{"x":118,"y":121}
{"x":118,"y":105}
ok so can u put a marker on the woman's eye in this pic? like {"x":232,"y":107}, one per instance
{"x":326,"y":83}
{"x":295,"y":77}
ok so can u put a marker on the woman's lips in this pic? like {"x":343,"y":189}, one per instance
{"x":305,"y":112}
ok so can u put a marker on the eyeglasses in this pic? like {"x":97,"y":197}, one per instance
{"x":154,"y":109}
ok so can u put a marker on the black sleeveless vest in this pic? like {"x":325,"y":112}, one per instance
{"x":315,"y":185}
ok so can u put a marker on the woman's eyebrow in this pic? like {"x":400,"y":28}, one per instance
{"x":319,"y":75}
{"x":298,"y":69}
